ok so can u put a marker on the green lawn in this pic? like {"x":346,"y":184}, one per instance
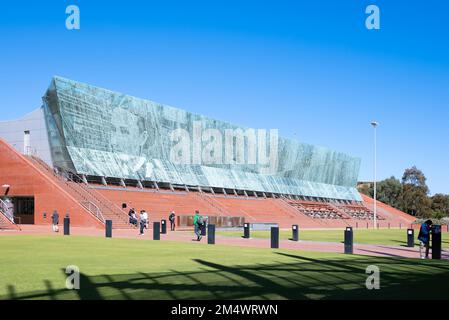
{"x":363,"y":236}
{"x":33,"y":268}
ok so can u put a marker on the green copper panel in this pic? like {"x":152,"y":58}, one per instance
{"x":99,"y":132}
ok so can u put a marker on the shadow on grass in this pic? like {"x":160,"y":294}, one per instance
{"x":300,"y":278}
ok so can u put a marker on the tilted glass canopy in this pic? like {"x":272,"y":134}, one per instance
{"x":98,"y":132}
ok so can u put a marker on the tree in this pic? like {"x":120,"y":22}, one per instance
{"x":389,"y":191}
{"x":415,"y":200}
{"x":440,"y":204}
{"x":409,"y":195}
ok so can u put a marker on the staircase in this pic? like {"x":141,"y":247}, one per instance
{"x":93,"y":201}
{"x":6,"y":220}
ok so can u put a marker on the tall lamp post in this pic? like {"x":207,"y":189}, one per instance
{"x":375,"y":124}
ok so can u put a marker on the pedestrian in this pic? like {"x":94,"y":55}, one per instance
{"x":55,"y":221}
{"x":143,"y":221}
{"x":197,"y":224}
{"x":131,"y":215}
{"x":134,"y":219}
{"x":171,"y":218}
{"x":424,"y":239}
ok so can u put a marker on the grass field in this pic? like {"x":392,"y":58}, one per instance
{"x":393,"y":237}
{"x":33,"y":267}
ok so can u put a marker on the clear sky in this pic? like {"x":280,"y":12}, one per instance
{"x":310,"y":69}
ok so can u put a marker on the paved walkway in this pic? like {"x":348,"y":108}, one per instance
{"x":185,"y":236}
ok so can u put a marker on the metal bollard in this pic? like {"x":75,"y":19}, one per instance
{"x":246,"y":233}
{"x":295,"y":232}
{"x":274,"y":237}
{"x":410,"y":238}
{"x":436,"y":242}
{"x":211,"y":234}
{"x":66,"y":226}
{"x":349,"y":240}
{"x":108,"y":228}
{"x":163,"y":226}
{"x":156,"y":230}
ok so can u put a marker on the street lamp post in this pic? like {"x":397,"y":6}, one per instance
{"x":375,"y":124}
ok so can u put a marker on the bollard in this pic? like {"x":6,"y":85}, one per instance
{"x":66,"y":226}
{"x":410,"y":238}
{"x":295,"y":232}
{"x":211,"y":234}
{"x":156,"y":230}
{"x":349,"y":240}
{"x":163,"y":226}
{"x":274,"y":237}
{"x":246,"y":231}
{"x":436,"y":242}
{"x":108,"y":228}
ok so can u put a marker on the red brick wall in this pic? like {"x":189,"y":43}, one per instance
{"x":26,"y":180}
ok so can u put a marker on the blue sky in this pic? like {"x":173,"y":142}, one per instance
{"x":310,"y":69}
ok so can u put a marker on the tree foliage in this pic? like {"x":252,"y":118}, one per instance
{"x":410,"y":194}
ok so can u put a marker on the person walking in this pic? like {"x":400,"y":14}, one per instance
{"x":171,"y":218}
{"x":55,"y":221}
{"x":197,"y":224}
{"x":143,"y":221}
{"x":424,"y":239}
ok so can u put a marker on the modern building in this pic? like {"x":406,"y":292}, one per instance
{"x":100,"y":148}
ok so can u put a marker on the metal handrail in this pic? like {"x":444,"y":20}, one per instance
{"x":88,"y":205}
{"x":97,"y":195}
{"x":6,"y":213}
{"x":92,"y":208}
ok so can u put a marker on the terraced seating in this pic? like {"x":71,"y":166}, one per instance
{"x":317,"y":210}
{"x":359,"y":212}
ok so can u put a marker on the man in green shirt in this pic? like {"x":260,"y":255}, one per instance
{"x":197,"y":223}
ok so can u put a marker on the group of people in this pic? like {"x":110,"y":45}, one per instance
{"x":144,"y":220}
{"x":199,"y":222}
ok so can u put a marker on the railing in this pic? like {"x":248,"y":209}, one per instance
{"x":86,"y":203}
{"x":92,"y":208}
{"x":6,"y":212}
{"x":212,"y":202}
{"x":98,"y":196}
{"x":89,"y":193}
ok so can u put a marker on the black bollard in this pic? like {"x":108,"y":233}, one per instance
{"x":274,"y":237}
{"x":163,"y":226}
{"x":66,"y":226}
{"x":349,"y":240}
{"x":246,"y":231}
{"x":108,"y":228}
{"x":295,"y":232}
{"x":410,"y":238}
{"x":211,"y":233}
{"x":436,"y":242}
{"x":156,"y":230}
